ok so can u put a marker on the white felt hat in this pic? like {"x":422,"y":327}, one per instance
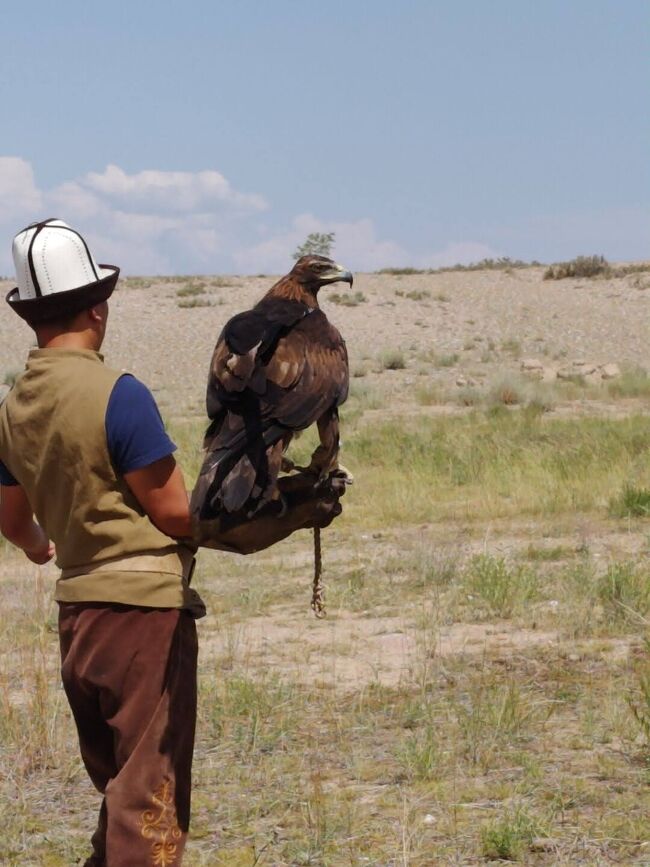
{"x":56,"y":273}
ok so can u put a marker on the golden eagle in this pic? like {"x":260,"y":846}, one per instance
{"x":276,"y":369}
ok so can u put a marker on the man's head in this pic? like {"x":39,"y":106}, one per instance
{"x":61,"y":289}
{"x":84,"y":330}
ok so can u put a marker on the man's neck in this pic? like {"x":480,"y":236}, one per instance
{"x":70,"y":340}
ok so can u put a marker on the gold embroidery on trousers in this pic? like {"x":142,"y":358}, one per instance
{"x":161,"y":826}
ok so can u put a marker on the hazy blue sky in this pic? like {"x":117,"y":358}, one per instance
{"x":212,"y":136}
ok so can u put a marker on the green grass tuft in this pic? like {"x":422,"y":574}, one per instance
{"x":632,"y":502}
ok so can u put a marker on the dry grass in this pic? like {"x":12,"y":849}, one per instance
{"x":480,"y":689}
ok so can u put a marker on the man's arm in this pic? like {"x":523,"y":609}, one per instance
{"x":160,"y":490}
{"x":18,"y":526}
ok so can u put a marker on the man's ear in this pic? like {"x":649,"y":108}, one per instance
{"x":97,"y":313}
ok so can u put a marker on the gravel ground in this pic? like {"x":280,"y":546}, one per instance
{"x":490,"y":319}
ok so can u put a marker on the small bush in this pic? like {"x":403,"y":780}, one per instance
{"x":507,"y":839}
{"x":446,"y":360}
{"x":136,"y":283}
{"x":624,"y":591}
{"x":348,"y":300}
{"x":512,"y":346}
{"x":548,"y":555}
{"x":507,"y":391}
{"x":430,"y":395}
{"x":399,"y":272}
{"x":639,"y":700}
{"x":420,"y":754}
{"x":392,"y":359}
{"x":633,"y":268}
{"x":469,"y":395}
{"x":633,"y":382}
{"x":190,"y":290}
{"x":316,"y":244}
{"x":503,"y":263}
{"x":194,"y":302}
{"x":632,"y":502}
{"x":501,"y":586}
{"x":581,"y":266}
{"x":364,"y":395}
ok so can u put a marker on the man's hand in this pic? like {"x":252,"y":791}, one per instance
{"x":43,"y":554}
{"x":18,"y":526}
{"x":305,"y":504}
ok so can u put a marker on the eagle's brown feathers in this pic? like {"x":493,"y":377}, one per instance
{"x":276,"y":370}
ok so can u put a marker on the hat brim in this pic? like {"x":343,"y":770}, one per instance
{"x":61,"y":305}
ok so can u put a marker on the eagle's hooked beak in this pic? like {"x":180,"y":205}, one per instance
{"x":338,"y":274}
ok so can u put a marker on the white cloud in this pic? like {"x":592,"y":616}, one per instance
{"x":356,"y":246}
{"x":174,"y":191}
{"x":164,"y":222}
{"x":18,"y":192}
{"x":196,"y":222}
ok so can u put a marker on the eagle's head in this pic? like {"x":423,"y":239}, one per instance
{"x":312,"y":272}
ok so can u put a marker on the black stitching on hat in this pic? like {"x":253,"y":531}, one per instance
{"x":90,"y":258}
{"x":30,"y":259}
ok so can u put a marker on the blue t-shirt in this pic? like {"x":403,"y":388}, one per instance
{"x":135,"y":432}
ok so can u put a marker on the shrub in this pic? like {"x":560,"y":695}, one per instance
{"x":448,"y":360}
{"x":430,"y":395}
{"x":195,"y":302}
{"x":398,"y":272}
{"x":191,"y":289}
{"x":392,"y":359}
{"x":348,"y":300}
{"x":316,"y":244}
{"x":502,"y":263}
{"x":624,"y":591}
{"x":501,"y":586}
{"x":507,"y":391}
{"x":632,"y":502}
{"x":136,"y":283}
{"x":581,"y":266}
{"x":639,"y":700}
{"x":512,"y":346}
{"x":506,"y":839}
{"x":633,"y":382}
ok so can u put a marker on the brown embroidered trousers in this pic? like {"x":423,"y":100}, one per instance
{"x":130,"y":677}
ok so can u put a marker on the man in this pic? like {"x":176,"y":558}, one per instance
{"x":84,"y":450}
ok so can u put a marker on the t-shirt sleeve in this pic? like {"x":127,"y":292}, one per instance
{"x":5,"y":477}
{"x":135,"y":432}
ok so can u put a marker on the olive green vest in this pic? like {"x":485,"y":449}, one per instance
{"x":53,"y":441}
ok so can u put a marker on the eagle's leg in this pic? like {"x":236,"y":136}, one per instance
{"x":324,"y":460}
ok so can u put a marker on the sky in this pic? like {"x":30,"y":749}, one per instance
{"x":211,"y":136}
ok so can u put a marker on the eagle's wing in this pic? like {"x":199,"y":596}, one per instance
{"x":307,"y":374}
{"x":245,"y":343}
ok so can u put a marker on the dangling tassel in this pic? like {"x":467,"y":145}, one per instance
{"x":317,"y":596}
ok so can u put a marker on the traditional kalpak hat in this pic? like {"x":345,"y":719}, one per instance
{"x":56,"y":274}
